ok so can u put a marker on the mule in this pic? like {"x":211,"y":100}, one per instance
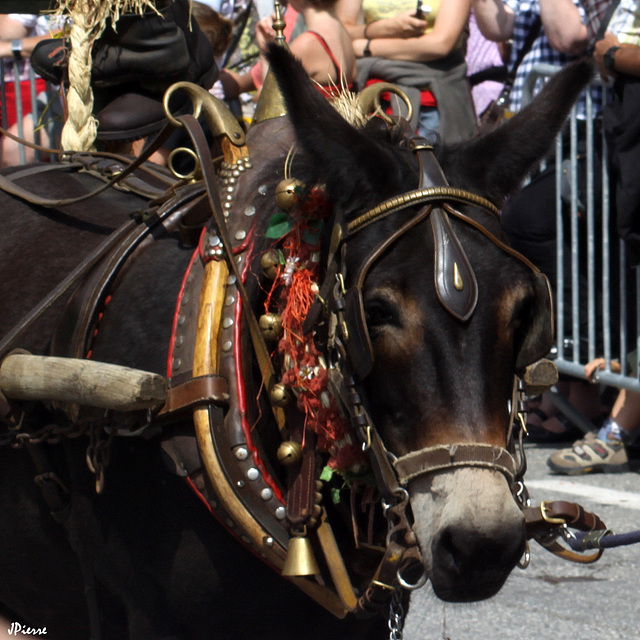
{"x":145,"y":558}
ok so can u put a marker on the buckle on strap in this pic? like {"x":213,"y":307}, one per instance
{"x":545,"y":510}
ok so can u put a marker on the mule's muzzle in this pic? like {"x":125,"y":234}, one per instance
{"x":470,"y":565}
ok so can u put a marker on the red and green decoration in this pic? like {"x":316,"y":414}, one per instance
{"x":297,"y":227}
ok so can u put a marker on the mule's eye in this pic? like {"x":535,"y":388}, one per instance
{"x":379,"y":312}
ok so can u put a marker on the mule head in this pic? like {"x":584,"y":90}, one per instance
{"x":435,"y":374}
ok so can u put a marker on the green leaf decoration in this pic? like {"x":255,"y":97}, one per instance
{"x":327,"y":474}
{"x":279,"y":225}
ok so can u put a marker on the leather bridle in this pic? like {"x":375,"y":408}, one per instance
{"x":457,"y":292}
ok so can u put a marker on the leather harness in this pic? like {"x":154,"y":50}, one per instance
{"x":227,"y":470}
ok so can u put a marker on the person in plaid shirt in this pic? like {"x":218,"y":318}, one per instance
{"x":623,"y":32}
{"x":562,"y":37}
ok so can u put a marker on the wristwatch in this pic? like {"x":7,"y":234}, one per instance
{"x":16,"y":48}
{"x":366,"y":52}
{"x":609,"y":59}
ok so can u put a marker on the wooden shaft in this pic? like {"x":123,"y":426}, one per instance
{"x":84,"y":382}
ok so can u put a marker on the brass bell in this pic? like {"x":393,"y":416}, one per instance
{"x":270,"y":326}
{"x":269,"y":263}
{"x":300,"y":560}
{"x":279,"y":395}
{"x":289,"y":453}
{"x":287,"y":193}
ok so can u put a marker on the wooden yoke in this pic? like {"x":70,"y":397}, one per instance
{"x":206,"y":362}
{"x":72,"y":380}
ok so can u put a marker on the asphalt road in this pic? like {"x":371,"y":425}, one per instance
{"x":554,"y":599}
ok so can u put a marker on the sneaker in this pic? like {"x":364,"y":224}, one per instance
{"x":590,"y":455}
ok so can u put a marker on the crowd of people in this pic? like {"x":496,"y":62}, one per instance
{"x":462,"y":64}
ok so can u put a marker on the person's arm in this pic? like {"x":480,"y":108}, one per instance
{"x":10,"y":30}
{"x":626,"y":59}
{"x":403,"y":25}
{"x":437,"y":43}
{"x":494,"y":19}
{"x":234,"y":83}
{"x":563,"y":26}
{"x":28,"y":45}
{"x":265,"y":33}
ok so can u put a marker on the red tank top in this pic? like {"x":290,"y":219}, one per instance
{"x":329,"y":90}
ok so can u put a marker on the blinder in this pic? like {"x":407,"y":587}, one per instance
{"x":538,"y":340}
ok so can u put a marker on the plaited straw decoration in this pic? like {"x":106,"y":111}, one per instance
{"x":88,"y":20}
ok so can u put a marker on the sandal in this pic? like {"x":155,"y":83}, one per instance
{"x":590,"y":455}
{"x":539,"y":435}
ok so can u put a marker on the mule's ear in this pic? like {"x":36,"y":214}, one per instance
{"x":348,"y":160}
{"x":497,"y":163}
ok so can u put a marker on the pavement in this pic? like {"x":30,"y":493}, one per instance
{"x":553,"y":599}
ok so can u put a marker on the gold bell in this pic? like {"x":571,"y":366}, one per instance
{"x":287,"y":193}
{"x":279,"y":395}
{"x":300,"y":560}
{"x":289,"y":453}
{"x":269,"y":263}
{"x":270,"y":326}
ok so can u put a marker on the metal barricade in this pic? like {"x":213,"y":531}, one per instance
{"x":46,"y":111}
{"x":596,"y":294}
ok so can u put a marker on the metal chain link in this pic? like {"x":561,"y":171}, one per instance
{"x":396,"y":615}
{"x":50,"y":433}
{"x":97,"y":453}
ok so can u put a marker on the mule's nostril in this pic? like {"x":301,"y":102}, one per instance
{"x":446,"y":550}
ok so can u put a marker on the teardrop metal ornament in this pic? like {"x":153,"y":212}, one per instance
{"x":458,"y":282}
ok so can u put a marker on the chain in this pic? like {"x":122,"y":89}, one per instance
{"x":396,"y":615}
{"x":518,"y":431}
{"x":16,"y":438}
{"x":97,"y":454}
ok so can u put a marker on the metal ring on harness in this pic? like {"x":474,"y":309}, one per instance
{"x":194,"y":173}
{"x":369,"y":100}
{"x":412,"y":586}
